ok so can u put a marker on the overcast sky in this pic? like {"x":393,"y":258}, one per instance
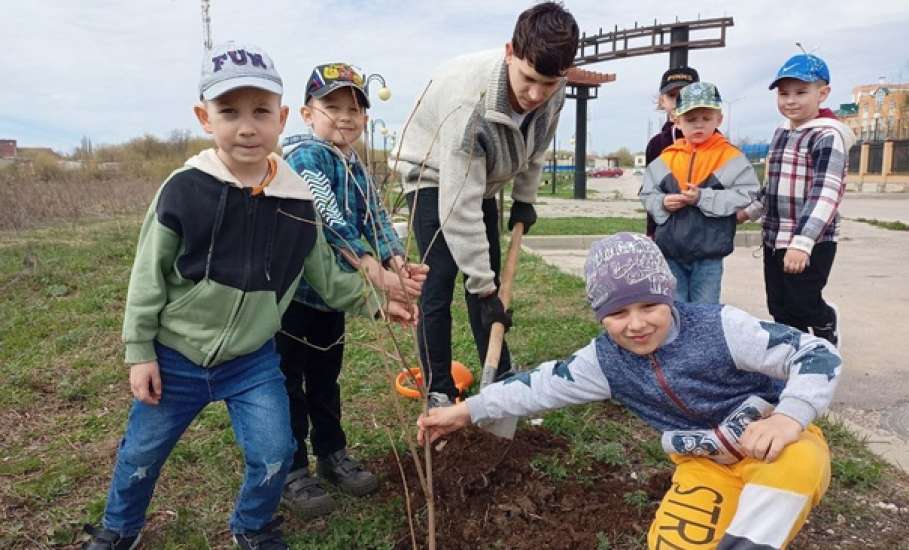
{"x":114,"y":69}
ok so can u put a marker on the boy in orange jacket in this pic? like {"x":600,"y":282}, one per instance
{"x":693,"y":191}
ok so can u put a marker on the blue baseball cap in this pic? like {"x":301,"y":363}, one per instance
{"x":805,"y":67}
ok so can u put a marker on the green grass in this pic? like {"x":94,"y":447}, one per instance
{"x":601,"y":226}
{"x":586,"y":226}
{"x":64,"y":397}
{"x":893,"y":226}
{"x":564,"y":187}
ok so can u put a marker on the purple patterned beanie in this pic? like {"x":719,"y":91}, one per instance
{"x":624,"y":269}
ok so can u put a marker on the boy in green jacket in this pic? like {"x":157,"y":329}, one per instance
{"x":220,"y":254}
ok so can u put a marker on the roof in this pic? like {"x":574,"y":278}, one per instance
{"x":583,"y":77}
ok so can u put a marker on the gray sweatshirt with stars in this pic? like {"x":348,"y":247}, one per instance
{"x":718,"y":369}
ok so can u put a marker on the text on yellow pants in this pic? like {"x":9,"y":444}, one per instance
{"x":751,"y":504}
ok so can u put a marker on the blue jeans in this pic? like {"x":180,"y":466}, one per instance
{"x":252,"y":386}
{"x":698,"y":282}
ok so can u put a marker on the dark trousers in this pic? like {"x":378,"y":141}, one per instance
{"x":311,"y":378}
{"x":795,"y":299}
{"x":434,"y":331}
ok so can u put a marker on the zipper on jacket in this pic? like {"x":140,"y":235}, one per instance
{"x":664,"y":385}
{"x":691,"y":167}
{"x":250,"y":204}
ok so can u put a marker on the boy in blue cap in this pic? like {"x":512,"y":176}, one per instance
{"x":806,"y":169}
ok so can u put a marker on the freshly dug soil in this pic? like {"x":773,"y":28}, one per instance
{"x":489,"y":494}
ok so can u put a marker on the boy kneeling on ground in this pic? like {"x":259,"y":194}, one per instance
{"x":733,"y":396}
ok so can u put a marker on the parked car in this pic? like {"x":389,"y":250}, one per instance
{"x":613,"y":172}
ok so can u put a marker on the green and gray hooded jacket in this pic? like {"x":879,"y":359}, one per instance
{"x":216,"y":265}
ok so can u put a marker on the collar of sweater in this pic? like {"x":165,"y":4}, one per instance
{"x":286,"y":183}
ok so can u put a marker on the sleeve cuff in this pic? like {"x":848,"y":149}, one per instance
{"x":140,"y":352}
{"x":796,"y":409}
{"x":477,"y":407}
{"x":803,"y":243}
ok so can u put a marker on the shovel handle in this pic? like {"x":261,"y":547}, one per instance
{"x":497,"y":332}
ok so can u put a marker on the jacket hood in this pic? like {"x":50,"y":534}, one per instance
{"x":285,"y":185}
{"x":826,"y":122}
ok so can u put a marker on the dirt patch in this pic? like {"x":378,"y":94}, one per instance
{"x":493,"y":493}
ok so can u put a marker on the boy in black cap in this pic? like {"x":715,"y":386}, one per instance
{"x":672,"y":82}
{"x":311,"y":342}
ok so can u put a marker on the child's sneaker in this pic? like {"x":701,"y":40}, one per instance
{"x":105,"y":539}
{"x":831,"y":332}
{"x":266,"y":538}
{"x":346,"y":472}
{"x":305,"y":494}
{"x":837,"y":328}
{"x":439,"y":399}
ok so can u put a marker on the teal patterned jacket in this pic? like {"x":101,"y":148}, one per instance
{"x":352,"y":213}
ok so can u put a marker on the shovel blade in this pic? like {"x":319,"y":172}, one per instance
{"x":504,"y":427}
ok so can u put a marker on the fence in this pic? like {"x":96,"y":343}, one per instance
{"x":875,"y":158}
{"x":900,"y":157}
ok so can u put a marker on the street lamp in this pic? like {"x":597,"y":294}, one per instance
{"x":384,"y":92}
{"x":372,"y":140}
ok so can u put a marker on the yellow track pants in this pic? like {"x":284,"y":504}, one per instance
{"x":751,"y":505}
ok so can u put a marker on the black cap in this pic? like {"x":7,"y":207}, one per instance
{"x":677,"y":78}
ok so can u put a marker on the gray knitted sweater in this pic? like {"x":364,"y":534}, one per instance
{"x":462,"y":139}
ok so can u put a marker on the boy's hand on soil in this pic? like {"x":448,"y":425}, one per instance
{"x":145,"y":382}
{"x":795,"y":261}
{"x":765,"y":439}
{"x":674,"y":202}
{"x":439,"y":421}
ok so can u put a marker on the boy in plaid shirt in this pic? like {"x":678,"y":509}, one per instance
{"x":311,"y":342}
{"x":806,"y":169}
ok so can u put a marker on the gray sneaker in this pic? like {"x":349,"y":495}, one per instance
{"x":105,"y":539}
{"x":439,"y":399}
{"x":304,"y":494}
{"x":346,"y":472}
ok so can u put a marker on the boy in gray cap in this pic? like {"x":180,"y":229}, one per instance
{"x":222,"y":250}
{"x":750,"y":465}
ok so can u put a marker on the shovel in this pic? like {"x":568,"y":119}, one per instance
{"x":506,"y":426}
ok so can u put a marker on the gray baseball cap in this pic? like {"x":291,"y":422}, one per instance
{"x":232,"y":65}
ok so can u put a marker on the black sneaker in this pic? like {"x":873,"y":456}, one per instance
{"x":346,"y":472}
{"x":266,"y":538}
{"x":105,"y":539}
{"x":304,"y":494}
{"x":832,"y":331}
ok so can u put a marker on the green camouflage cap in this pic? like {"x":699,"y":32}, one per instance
{"x":699,"y":95}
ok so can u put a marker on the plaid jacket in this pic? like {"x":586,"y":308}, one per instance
{"x":352,"y":213}
{"x":804,"y":184}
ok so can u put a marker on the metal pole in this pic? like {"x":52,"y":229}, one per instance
{"x":678,"y":57}
{"x":555,"y":162}
{"x":580,"y":144}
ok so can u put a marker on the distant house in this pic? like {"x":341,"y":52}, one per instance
{"x":32,"y":152}
{"x":7,"y":148}
{"x":878,"y":112}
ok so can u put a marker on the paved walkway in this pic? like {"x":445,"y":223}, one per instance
{"x":869,"y":283}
